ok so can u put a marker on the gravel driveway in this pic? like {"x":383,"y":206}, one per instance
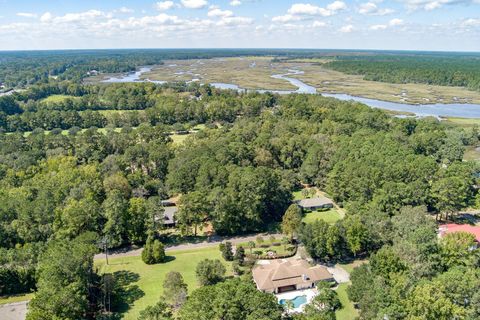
{"x":13,"y":311}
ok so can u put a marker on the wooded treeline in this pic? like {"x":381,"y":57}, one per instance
{"x":443,"y":70}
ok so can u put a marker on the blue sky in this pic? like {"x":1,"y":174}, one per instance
{"x":451,"y":25}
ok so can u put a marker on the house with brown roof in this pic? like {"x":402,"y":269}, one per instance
{"x":316,"y":203}
{"x":287,"y":275}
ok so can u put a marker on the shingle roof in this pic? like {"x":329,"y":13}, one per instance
{"x":280,"y":273}
{"x":314,"y":202}
{"x":169,"y":215}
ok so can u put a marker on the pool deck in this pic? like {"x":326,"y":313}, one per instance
{"x":309,"y":293}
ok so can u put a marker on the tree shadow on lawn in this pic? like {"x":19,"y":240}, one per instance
{"x":169,"y":259}
{"x":124,"y":291}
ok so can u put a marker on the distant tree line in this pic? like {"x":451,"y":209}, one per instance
{"x":444,"y":70}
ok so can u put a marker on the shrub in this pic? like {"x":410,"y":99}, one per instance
{"x":153,"y":252}
{"x":240,"y":255}
{"x":209,"y":272}
{"x":226,"y":249}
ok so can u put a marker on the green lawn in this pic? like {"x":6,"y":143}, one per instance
{"x":347,"y":312}
{"x":350,"y":266}
{"x":16,"y":298}
{"x":58,"y":98}
{"x":330,"y":216}
{"x":143,"y":283}
{"x":178,"y":139}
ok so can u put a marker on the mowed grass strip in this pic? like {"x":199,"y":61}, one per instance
{"x":58,"y":98}
{"x":330,"y":216}
{"x":146,"y":281}
{"x":348,"y":311}
{"x":16,"y":298}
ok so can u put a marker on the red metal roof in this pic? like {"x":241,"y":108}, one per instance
{"x":453,"y":227}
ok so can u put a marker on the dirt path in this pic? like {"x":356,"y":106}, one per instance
{"x":214,"y":241}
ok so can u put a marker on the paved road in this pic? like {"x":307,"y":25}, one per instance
{"x":14,"y":311}
{"x":187,"y":246}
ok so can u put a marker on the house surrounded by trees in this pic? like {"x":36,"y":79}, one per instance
{"x":316,"y":203}
{"x":281,"y":276}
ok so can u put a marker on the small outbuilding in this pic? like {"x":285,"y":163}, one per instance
{"x":169,"y":216}
{"x":316,"y":203}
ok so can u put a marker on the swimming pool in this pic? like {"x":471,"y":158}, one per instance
{"x":297,"y":301}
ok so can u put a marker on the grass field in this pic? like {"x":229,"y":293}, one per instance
{"x":348,"y":311}
{"x":330,"y":216}
{"x":16,"y":298}
{"x":57,"y":98}
{"x":143,"y":283}
{"x":463,"y":122}
{"x":350,"y":266}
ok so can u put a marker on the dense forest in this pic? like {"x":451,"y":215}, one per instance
{"x":444,"y":70}
{"x":62,"y":191}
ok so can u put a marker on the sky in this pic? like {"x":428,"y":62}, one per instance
{"x":436,"y":25}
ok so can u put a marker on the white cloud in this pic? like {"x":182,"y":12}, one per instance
{"x":471,"y":23}
{"x":395,"y":22}
{"x":312,"y":10}
{"x":318,"y":24}
{"x":46,"y":17}
{"x":125,"y":10}
{"x":371,"y":8}
{"x":27,"y":15}
{"x":235,"y":21}
{"x":392,"y":23}
{"x":164,"y":5}
{"x":216,"y":12}
{"x":346,"y":29}
{"x":378,"y":27}
{"x":337,"y":6}
{"x":434,"y":4}
{"x":286,"y":18}
{"x":303,"y":11}
{"x":194,"y":4}
{"x":235,"y":3}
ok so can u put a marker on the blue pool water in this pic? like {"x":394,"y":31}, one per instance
{"x":297,"y":301}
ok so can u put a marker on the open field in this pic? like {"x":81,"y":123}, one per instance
{"x":16,"y":298}
{"x":350,"y":266}
{"x":143,"y":283}
{"x":348,"y":311}
{"x":472,"y":153}
{"x":463,"y":122}
{"x":330,"y":216}
{"x":57,"y":98}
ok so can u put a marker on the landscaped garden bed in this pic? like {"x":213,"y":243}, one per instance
{"x":269,"y":249}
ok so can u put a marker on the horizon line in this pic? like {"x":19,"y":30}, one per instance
{"x":240,"y":48}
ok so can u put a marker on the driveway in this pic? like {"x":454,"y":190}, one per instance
{"x":14,"y":311}
{"x":339,"y":274}
{"x":214,"y":241}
